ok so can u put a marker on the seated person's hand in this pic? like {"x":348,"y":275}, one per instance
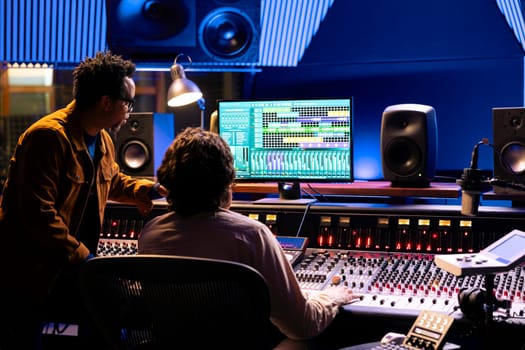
{"x":159,"y":190}
{"x":163,"y":191}
{"x":341,"y":295}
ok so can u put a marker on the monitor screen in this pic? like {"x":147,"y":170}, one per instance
{"x":289,"y":140}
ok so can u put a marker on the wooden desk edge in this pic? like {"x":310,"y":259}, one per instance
{"x":368,"y":188}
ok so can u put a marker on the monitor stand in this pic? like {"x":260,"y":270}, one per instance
{"x":289,"y":190}
{"x":289,"y":193}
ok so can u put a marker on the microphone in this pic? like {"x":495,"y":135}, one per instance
{"x":472,"y":184}
{"x":471,"y":188}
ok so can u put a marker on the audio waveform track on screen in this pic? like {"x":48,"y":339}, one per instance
{"x":296,"y":140}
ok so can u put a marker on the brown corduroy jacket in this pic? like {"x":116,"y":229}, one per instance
{"x":49,"y":180}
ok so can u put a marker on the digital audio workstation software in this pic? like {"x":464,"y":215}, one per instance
{"x":303,"y":140}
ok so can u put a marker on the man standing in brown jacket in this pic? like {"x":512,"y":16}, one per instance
{"x":62,"y":173}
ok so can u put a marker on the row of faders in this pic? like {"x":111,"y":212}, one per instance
{"x":119,"y":237}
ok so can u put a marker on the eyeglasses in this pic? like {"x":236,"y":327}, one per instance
{"x":130,"y":102}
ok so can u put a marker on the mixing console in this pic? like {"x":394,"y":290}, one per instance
{"x":398,"y":283}
{"x":402,"y":283}
{"x":383,"y":252}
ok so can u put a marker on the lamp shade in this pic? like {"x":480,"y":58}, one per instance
{"x":182,"y":91}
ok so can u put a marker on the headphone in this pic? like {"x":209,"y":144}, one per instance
{"x":472,"y":303}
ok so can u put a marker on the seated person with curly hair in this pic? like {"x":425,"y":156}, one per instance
{"x":197,"y":170}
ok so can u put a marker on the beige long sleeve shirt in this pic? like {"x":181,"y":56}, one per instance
{"x":232,"y":236}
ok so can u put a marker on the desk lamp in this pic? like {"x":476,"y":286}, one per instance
{"x":183,"y":91}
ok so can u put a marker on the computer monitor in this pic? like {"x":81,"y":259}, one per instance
{"x":289,"y":141}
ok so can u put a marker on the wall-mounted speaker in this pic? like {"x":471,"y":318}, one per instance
{"x":141,"y":143}
{"x":508,"y":126}
{"x":210,"y":32}
{"x":409,"y":145}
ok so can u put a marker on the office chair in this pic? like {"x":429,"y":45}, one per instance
{"x":176,"y":302}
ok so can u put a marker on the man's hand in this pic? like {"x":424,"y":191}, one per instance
{"x":341,"y":295}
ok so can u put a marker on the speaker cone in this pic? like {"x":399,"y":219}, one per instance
{"x":135,"y":155}
{"x":226,"y":33}
{"x":403,"y":156}
{"x":512,"y":158}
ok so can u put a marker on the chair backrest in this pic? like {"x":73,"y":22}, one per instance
{"x":170,"y":302}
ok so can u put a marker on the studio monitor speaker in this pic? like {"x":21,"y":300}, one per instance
{"x":409,"y":145}
{"x":142,"y":141}
{"x":508,"y":125}
{"x":210,"y":32}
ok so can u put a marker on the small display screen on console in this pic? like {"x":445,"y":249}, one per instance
{"x":509,"y":248}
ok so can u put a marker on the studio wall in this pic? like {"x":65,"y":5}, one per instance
{"x":462,"y":58}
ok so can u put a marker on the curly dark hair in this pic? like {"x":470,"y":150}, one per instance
{"x":197,"y":170}
{"x":98,"y":76}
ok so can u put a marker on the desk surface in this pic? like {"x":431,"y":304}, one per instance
{"x":515,"y":196}
{"x":358,"y":188}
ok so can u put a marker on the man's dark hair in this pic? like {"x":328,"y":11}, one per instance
{"x":98,"y":76}
{"x":197,"y":170}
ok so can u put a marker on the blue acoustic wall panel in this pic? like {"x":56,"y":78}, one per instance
{"x":57,"y":32}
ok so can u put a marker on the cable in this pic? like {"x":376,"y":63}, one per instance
{"x":441,"y":178}
{"x":475,"y":153}
{"x":58,"y":330}
{"x":322,"y":198}
{"x":496,"y":182}
{"x":512,"y":185}
{"x":308,"y":205}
